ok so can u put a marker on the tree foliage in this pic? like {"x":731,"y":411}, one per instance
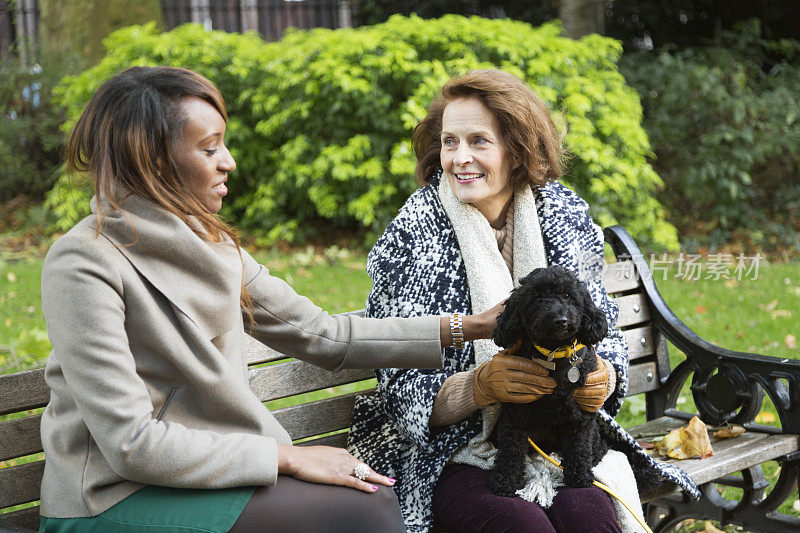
{"x":725,"y":127}
{"x":31,"y":144}
{"x":321,"y":120}
{"x":78,"y":26}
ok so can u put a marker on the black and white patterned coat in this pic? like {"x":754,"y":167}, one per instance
{"x":417,"y":269}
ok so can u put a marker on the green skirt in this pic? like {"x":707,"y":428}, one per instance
{"x":162,"y":509}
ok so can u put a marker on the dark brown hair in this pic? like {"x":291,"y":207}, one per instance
{"x":124,"y":140}
{"x":531,"y":138}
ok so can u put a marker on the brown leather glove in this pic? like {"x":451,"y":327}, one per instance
{"x":508,"y":378}
{"x":592,"y":395}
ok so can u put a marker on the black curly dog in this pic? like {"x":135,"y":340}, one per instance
{"x":551,"y":308}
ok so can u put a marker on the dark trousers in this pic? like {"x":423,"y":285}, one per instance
{"x":293,"y":505}
{"x":463,"y":502}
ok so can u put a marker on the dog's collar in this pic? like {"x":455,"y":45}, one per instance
{"x":568,"y":350}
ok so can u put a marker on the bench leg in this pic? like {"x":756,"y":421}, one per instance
{"x":753,"y":512}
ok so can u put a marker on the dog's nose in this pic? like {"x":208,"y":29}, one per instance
{"x":561,"y":321}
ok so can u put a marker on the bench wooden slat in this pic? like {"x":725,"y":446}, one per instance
{"x":20,"y":437}
{"x":620,"y":277}
{"x":637,"y":378}
{"x":640,"y":342}
{"x":339,"y":440}
{"x":321,"y":416}
{"x":258,"y":353}
{"x":21,"y":483}
{"x":27,"y":518}
{"x":296,"y":377}
{"x":730,"y":455}
{"x":23,"y":391}
{"x":633,"y":310}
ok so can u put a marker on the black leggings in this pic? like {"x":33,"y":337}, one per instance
{"x":294,"y":505}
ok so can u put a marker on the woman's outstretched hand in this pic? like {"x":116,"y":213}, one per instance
{"x":327,"y":465}
{"x":480,"y":326}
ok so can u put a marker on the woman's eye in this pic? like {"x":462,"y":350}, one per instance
{"x":211,"y":151}
{"x":480,"y":140}
{"x":449,"y":142}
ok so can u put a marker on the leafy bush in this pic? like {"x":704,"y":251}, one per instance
{"x":322,"y":120}
{"x":30,"y":140}
{"x":725,"y":126}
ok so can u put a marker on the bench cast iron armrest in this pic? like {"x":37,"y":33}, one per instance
{"x":727,"y":386}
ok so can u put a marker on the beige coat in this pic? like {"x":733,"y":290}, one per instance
{"x":148,"y":374}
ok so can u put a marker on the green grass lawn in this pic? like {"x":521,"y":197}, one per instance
{"x":751,"y":315}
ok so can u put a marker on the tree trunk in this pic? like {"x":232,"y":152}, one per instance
{"x":582,"y":17}
{"x":79,"y":26}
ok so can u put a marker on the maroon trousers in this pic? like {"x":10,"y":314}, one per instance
{"x":463,"y":502}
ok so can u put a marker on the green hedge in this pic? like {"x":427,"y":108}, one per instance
{"x":725,"y":127}
{"x":322,"y":120}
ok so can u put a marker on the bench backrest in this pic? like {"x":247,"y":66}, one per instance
{"x":274,"y":376}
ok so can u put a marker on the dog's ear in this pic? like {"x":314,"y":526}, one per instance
{"x":594,"y":326}
{"x":509,"y":323}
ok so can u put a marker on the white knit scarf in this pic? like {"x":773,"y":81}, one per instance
{"x":490,"y":282}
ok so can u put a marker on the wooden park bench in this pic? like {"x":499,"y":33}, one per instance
{"x":725,"y":385}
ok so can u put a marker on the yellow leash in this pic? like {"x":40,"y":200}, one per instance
{"x":596,"y":484}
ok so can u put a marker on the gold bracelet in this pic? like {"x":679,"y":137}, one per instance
{"x":457,"y":330}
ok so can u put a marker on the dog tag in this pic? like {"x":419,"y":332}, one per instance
{"x":573,"y":374}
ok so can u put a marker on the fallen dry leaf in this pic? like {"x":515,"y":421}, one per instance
{"x":780,"y":313}
{"x":730,"y":283}
{"x":701,"y":309}
{"x":739,"y":334}
{"x":710,"y":528}
{"x":791,"y":341}
{"x":694,"y":439}
{"x":647,"y":445}
{"x":770,"y":306}
{"x":729,"y":432}
{"x":670,"y":442}
{"x":685,"y":442}
{"x":765,"y":417}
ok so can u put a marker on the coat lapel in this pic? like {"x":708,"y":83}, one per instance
{"x":558,"y":226}
{"x":201,"y":279}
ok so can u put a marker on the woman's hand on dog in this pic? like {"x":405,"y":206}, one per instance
{"x":480,"y":326}
{"x":326,"y":465}
{"x":508,"y":378}
{"x":592,"y":395}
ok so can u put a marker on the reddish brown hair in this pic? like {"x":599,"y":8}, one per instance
{"x":124,"y":140}
{"x":528,"y":131}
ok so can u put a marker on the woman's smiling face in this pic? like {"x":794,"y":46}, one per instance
{"x":474,"y":157}
{"x":200,"y":155}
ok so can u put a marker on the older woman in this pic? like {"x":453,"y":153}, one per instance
{"x":151,"y":424}
{"x":489,"y":210}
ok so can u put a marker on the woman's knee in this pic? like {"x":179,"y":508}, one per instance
{"x":380,"y":511}
{"x":587,"y":509}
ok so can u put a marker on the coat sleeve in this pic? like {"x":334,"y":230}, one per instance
{"x":293,"y":325}
{"x":396,"y":270}
{"x":84,"y":308}
{"x":614,"y":347}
